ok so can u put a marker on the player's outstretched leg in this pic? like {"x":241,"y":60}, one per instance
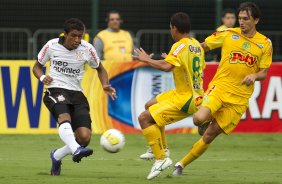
{"x":67,"y":136}
{"x":152,"y":133}
{"x":198,"y":148}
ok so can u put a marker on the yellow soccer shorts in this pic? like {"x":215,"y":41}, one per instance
{"x":227,"y":115}
{"x":165,"y":112}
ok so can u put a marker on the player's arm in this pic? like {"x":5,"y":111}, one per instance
{"x":250,"y":79}
{"x":43,"y":57}
{"x":38,"y":73}
{"x":214,"y":41}
{"x":205,"y":47}
{"x":103,"y":77}
{"x":158,"y":64}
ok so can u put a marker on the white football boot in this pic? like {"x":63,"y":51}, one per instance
{"x":158,"y":167}
{"x":149,"y":154}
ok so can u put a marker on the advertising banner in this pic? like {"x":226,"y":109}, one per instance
{"x":22,"y":109}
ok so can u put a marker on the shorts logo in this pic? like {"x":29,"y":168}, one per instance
{"x":167,"y":118}
{"x":235,"y":37}
{"x":61,"y":98}
{"x":243,"y":58}
{"x":198,"y":101}
{"x":246,"y":45}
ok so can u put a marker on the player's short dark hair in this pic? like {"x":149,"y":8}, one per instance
{"x":112,"y":12}
{"x":181,"y":21}
{"x":73,"y":24}
{"x":251,"y":8}
{"x":228,"y":10}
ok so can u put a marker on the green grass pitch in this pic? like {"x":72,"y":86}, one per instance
{"x":237,"y":158}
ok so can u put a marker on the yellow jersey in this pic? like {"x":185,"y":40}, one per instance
{"x":187,"y":56}
{"x":118,"y":46}
{"x":241,"y":56}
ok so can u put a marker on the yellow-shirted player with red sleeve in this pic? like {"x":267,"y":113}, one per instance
{"x":186,"y":60}
{"x":246,"y":56}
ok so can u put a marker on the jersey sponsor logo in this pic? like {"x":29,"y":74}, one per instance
{"x":243,"y":58}
{"x":194,"y":49}
{"x":61,"y":66}
{"x":246,"y":46}
{"x":43,"y":53}
{"x":235,"y":37}
{"x":178,"y":49}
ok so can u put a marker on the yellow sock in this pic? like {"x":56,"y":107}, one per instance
{"x":153,"y":136}
{"x":162,"y":129}
{"x":197,"y":150}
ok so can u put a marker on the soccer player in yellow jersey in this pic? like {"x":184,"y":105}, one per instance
{"x":246,"y":57}
{"x":186,"y":60}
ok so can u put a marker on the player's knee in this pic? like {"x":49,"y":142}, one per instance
{"x":147,"y":105}
{"x":198,"y":119}
{"x":83,"y":138}
{"x":142,"y":117}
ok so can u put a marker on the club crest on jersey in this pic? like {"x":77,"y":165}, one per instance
{"x":246,"y":45}
{"x":61,"y":98}
{"x":235,"y":37}
{"x":243,"y":58}
{"x":79,"y":56}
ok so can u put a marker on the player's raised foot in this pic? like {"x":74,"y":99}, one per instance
{"x":178,"y":169}
{"x":202,"y":128}
{"x":158,"y":167}
{"x":56,"y":165}
{"x":80,"y":153}
{"x":149,"y":155}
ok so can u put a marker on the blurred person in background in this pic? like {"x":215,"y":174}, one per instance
{"x":228,"y":20}
{"x":114,"y":43}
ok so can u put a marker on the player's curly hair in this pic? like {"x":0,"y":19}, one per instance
{"x":181,"y":21}
{"x":73,"y":24}
{"x":251,"y":8}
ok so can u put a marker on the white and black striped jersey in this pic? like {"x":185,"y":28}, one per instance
{"x":67,"y":66}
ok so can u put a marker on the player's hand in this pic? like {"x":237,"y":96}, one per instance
{"x":47,"y":80}
{"x":164,"y":55}
{"x":110,"y":91}
{"x":249,"y":80}
{"x":142,"y":55}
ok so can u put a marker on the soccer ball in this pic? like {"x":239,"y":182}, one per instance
{"x":112,"y":140}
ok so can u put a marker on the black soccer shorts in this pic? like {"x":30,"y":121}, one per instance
{"x":59,"y":101}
